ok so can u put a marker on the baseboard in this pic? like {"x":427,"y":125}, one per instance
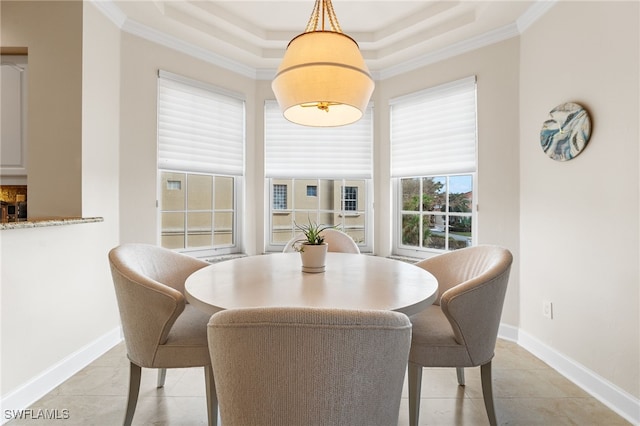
{"x":609,"y":394}
{"x":44,"y":383}
{"x":618,"y":400}
{"x":508,"y":332}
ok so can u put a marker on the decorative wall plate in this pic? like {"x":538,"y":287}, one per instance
{"x":566,"y":133}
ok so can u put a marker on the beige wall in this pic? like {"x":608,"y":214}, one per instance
{"x":57,"y":295}
{"x":579,"y":219}
{"x":551,"y":215}
{"x":497,"y":71}
{"x":141,"y":61}
{"x":52,"y":31}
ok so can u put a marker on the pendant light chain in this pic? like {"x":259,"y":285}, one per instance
{"x":326,"y":8}
{"x":333,"y":19}
{"x":313,"y":19}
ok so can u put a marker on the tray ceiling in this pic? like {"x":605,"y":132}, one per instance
{"x":393,"y":35}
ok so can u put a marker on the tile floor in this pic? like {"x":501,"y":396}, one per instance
{"x":527,"y":392}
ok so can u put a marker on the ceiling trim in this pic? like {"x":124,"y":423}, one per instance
{"x":456,"y":49}
{"x":534,"y":13}
{"x":113,"y":13}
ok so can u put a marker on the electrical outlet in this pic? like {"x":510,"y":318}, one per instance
{"x":547,"y":309}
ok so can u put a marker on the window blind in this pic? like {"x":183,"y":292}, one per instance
{"x":294,"y":151}
{"x":434,"y":131}
{"x":200,"y":128}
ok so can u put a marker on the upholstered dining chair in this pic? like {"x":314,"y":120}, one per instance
{"x":338,"y":242}
{"x":161,"y":330}
{"x":461,"y":328}
{"x":309,"y":366}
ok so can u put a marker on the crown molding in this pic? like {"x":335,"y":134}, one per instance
{"x":456,"y":49}
{"x":143,"y":31}
{"x":532,"y":14}
{"x":115,"y":15}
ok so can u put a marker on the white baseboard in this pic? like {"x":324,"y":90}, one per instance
{"x":618,"y":400}
{"x":609,"y":394}
{"x":44,"y":383}
{"x":508,"y":332}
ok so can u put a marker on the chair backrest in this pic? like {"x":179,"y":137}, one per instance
{"x":309,"y":366}
{"x":149,"y":285}
{"x":472,"y":284}
{"x":338,"y":241}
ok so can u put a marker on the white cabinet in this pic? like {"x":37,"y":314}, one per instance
{"x":13,"y":140}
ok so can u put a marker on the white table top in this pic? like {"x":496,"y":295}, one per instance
{"x":351,"y":281}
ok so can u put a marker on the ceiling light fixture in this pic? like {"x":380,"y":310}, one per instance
{"x":323,"y":80}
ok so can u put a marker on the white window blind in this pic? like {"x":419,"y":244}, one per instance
{"x":294,"y":151}
{"x":200,"y":129}
{"x":434,"y":131}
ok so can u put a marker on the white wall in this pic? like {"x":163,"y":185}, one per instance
{"x":58,"y":307}
{"x":579,"y":219}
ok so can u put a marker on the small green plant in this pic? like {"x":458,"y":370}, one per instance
{"x":311,"y":233}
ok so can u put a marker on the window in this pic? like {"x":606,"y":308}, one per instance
{"x":328,"y":207}
{"x":200,"y":165}
{"x":174,"y":185}
{"x":433,"y":145}
{"x":436,"y":212}
{"x":312,"y":190}
{"x":349,"y":198}
{"x":279,"y":197}
{"x":327,"y":175}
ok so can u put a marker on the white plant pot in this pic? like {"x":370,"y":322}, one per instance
{"x":313,"y":257}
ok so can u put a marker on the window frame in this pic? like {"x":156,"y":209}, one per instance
{"x":238,"y":180}
{"x":325,"y":155}
{"x":278,"y":190}
{"x":420,"y":252}
{"x":344,"y":215}
{"x":344,"y":201}
{"x":407,"y":167}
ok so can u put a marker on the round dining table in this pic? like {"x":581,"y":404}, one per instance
{"x":350,"y":281}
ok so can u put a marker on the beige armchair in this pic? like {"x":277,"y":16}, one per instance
{"x":338,"y":242}
{"x":309,"y":366}
{"x":461,"y":328}
{"x":160,"y":329}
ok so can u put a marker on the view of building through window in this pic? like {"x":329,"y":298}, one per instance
{"x":333,"y":202}
{"x":196,"y":210}
{"x":200,"y":164}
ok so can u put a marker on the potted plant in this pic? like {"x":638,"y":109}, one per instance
{"x":312,"y":248}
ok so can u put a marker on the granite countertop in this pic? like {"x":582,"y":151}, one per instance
{"x":47,"y":221}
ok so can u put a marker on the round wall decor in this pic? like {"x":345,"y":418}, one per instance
{"x":566,"y":133}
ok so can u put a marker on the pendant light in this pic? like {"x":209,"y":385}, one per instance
{"x":323,"y":80}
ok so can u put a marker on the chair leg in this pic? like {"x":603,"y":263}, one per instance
{"x":415,"y":386}
{"x":212,"y":398}
{"x":135,"y":373}
{"x":487,"y":393}
{"x":162,"y":374}
{"x":460,"y":373}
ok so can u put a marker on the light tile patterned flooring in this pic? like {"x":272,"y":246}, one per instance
{"x":527,"y":392}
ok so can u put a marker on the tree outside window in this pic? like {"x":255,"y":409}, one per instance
{"x":437,"y":211}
